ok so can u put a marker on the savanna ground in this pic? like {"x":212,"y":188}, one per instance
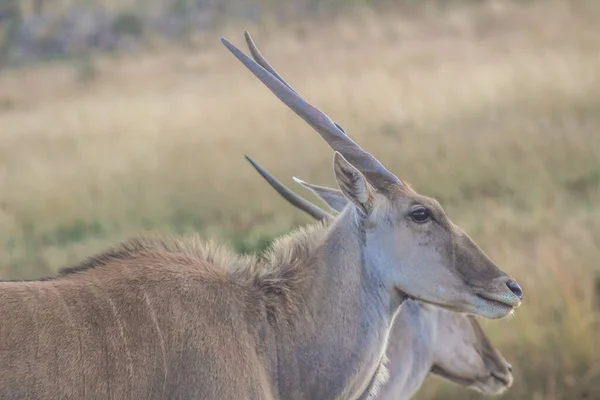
{"x":494,"y":110}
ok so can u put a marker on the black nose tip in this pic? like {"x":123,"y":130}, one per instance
{"x":515,"y":288}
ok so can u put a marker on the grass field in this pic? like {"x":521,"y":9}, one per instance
{"x":493,"y":110}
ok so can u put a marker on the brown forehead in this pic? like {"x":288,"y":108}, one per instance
{"x":407,"y":195}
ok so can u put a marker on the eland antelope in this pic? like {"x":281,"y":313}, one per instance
{"x":309,"y":319}
{"x":424,"y":338}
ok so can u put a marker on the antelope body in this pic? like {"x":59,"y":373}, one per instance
{"x":424,"y":338}
{"x":308,"y":320}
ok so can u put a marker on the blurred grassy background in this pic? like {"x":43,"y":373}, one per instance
{"x":491,"y":107}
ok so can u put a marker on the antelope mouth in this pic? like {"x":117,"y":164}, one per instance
{"x":501,"y":303}
{"x":491,"y":385}
{"x":454,"y":378}
{"x":503,"y":379}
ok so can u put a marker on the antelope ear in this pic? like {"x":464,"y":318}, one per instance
{"x":334,"y":198}
{"x":353,"y":184}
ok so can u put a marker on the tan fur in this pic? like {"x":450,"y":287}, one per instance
{"x":274,"y":276}
{"x":127,"y":323}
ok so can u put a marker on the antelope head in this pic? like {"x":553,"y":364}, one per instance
{"x":464,"y":355}
{"x":416,"y":249}
{"x":461,"y":351}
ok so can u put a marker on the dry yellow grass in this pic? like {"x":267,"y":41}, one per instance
{"x":493,"y":110}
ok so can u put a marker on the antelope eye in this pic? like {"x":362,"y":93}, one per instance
{"x":420,"y":215}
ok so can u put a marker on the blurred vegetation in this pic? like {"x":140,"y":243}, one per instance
{"x":43,"y":30}
{"x":491,"y":107}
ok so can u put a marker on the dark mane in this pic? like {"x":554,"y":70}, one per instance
{"x":120,"y":252}
{"x":190,"y":246}
{"x":95,"y":261}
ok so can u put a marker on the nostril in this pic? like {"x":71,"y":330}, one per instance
{"x":515,"y":288}
{"x":509,"y":367}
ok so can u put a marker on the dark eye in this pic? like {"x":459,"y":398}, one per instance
{"x":420,"y":215}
